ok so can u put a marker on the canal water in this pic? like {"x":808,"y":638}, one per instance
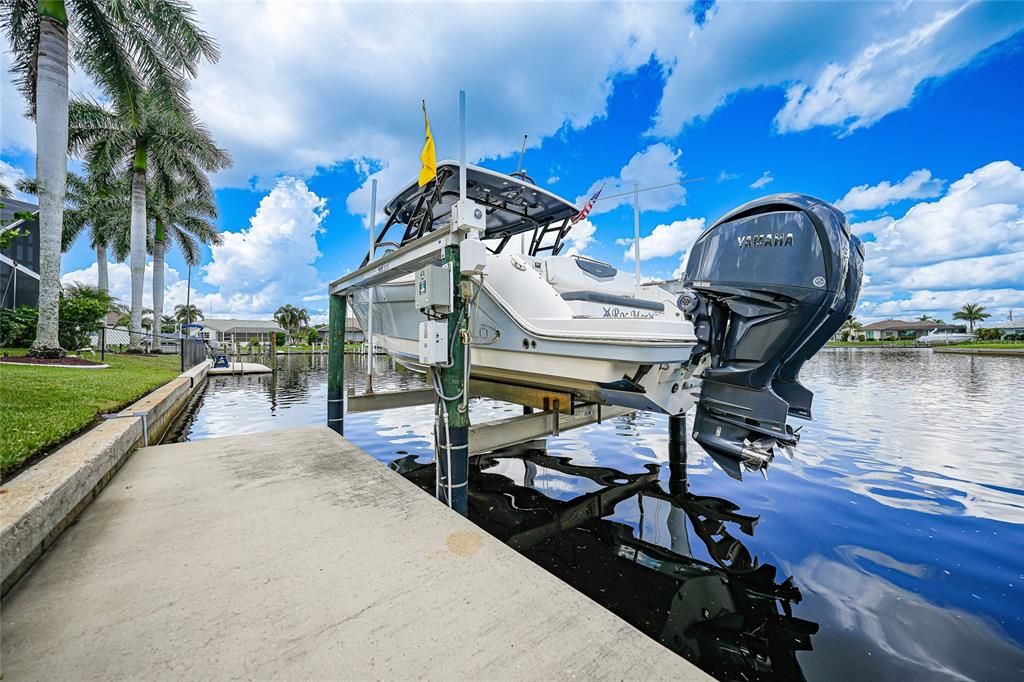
{"x":890,"y":548}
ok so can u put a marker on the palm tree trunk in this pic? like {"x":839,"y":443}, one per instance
{"x":102,"y":282}
{"x":158,"y":282}
{"x":137,"y":241}
{"x":51,"y":166}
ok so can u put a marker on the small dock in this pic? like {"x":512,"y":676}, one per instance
{"x":236,"y":367}
{"x":294,"y":554}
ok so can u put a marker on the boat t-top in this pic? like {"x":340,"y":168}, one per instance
{"x":764,"y":288}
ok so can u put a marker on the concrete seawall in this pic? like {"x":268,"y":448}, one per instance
{"x":1003,"y":352}
{"x":43,"y":500}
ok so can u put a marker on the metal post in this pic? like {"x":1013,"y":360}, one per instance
{"x":453,"y":441}
{"x":369,"y":292}
{"x":336,"y":365}
{"x":677,"y":453}
{"x":462,"y":144}
{"x":636,"y":234}
{"x":103,"y":343}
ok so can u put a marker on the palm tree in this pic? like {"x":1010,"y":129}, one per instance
{"x":181,"y":215}
{"x":155,"y":134}
{"x":88,"y":202}
{"x":291,"y":318}
{"x":120,"y":46}
{"x":926,"y":318}
{"x":850,"y":328}
{"x":167,"y":324}
{"x":186,"y":314}
{"x":971,"y":313}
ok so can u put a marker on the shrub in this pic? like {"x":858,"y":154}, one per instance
{"x":82,"y":309}
{"x":990,"y":334}
{"x":280,"y":339}
{"x":18,"y":327}
{"x":313,"y":337}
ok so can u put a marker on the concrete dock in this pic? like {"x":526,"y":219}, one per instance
{"x":295,"y":555}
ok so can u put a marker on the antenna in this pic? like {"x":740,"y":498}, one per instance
{"x":519,"y":165}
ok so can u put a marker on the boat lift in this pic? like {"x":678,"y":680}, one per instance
{"x":454,"y":437}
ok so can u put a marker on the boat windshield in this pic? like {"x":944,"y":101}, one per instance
{"x":514,"y":204}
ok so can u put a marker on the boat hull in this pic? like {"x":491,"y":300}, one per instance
{"x":616,"y":361}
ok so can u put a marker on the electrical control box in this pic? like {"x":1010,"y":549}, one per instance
{"x":472,"y":256}
{"x":434,"y":289}
{"x":469,"y":216}
{"x":433,"y":348}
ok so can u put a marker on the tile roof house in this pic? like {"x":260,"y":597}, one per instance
{"x":900,"y":329}
{"x":230,"y":330}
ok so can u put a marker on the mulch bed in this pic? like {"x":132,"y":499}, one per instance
{"x":27,"y":360}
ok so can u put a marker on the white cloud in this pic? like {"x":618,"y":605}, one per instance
{"x":725,"y":176}
{"x":884,"y":75}
{"x":9,"y":176}
{"x":270,"y":262}
{"x":918,"y":185}
{"x":654,"y":166}
{"x":302,"y":86}
{"x":553,"y":179}
{"x":580,"y":237}
{"x":944,"y":302}
{"x":871,"y":226}
{"x":665,"y":240}
{"x":966,"y":247}
{"x":765,"y":178}
{"x":982,"y":213}
{"x":842,"y":64}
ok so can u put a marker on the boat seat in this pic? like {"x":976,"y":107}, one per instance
{"x":573,"y":273}
{"x":605,"y":298}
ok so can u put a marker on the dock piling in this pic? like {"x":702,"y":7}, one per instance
{"x":452,"y":439}
{"x":336,"y":364}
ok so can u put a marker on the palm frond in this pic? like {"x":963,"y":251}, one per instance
{"x":99,"y":48}
{"x":20,"y":19}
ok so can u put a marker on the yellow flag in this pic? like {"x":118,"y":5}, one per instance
{"x":428,"y":157}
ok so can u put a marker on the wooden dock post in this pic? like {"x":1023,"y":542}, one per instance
{"x":336,"y":364}
{"x":453,"y":434}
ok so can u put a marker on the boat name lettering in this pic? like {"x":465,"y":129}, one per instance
{"x":615,"y":312}
{"x":777,"y":239}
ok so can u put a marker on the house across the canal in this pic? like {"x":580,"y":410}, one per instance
{"x":353,"y":332}
{"x":231,"y":331}
{"x":891,"y":330}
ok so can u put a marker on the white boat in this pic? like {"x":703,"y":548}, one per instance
{"x":937,"y":338}
{"x":575,"y":325}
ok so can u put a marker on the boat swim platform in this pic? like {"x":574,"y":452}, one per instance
{"x":294,"y":554}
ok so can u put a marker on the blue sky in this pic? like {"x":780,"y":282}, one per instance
{"x":907,"y":115}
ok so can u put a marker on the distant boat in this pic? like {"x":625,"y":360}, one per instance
{"x":937,"y":338}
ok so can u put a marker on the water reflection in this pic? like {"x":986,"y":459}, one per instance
{"x":732,"y":615}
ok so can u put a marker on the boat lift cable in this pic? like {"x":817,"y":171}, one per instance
{"x":648,"y":189}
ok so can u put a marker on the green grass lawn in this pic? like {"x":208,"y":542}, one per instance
{"x":42,"y":406}
{"x":349,"y":347}
{"x":870,"y":344}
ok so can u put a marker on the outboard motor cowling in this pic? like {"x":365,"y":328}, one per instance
{"x":767,"y":285}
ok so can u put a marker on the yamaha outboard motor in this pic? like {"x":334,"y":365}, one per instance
{"x":766,"y":286}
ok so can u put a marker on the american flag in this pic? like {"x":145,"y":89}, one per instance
{"x":586,"y":207}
